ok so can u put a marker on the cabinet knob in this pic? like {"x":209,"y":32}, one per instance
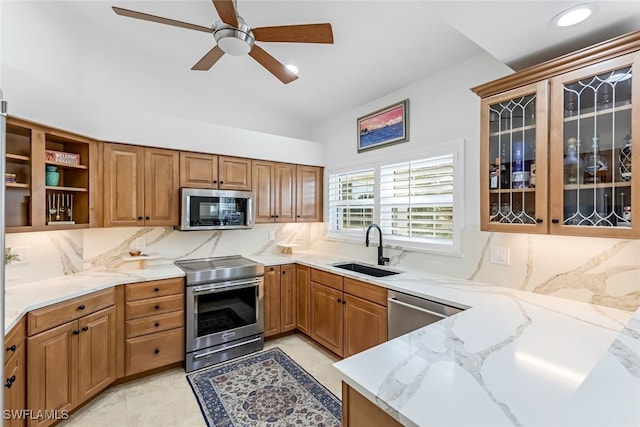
{"x":139,"y":218}
{"x":81,"y":307}
{"x":284,"y":272}
{"x":85,"y":328}
{"x":338,"y":299}
{"x":271,"y":269}
{"x":156,"y":324}
{"x":76,"y":332}
{"x":215,"y":181}
{"x":344,"y":302}
{"x":555,"y":220}
{"x":539,"y":220}
{"x":157,"y":307}
{"x":12,"y":348}
{"x":297,"y":216}
{"x":277,"y":216}
{"x":156,"y":351}
{"x":156,"y":289}
{"x":147,"y":218}
{"x":221,"y":182}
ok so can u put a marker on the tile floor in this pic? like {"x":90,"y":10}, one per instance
{"x":166,"y":399}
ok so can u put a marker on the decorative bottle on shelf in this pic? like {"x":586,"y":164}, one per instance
{"x":625,"y":160}
{"x":505,"y":176}
{"x":596,"y":165}
{"x":52,"y":176}
{"x":520,"y":177}
{"x":571,"y":163}
{"x":494,"y":174}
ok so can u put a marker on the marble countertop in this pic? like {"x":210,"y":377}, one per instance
{"x":512,"y":358}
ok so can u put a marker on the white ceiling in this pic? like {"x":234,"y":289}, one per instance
{"x":380,"y":46}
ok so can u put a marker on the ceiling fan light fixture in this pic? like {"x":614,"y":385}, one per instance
{"x":234,"y":41}
{"x":573,"y":16}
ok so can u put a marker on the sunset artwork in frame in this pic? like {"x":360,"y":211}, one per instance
{"x":384,"y":127}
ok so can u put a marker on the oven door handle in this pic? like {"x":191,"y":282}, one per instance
{"x":213,"y":288}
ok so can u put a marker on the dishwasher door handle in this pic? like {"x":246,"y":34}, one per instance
{"x":414,"y":307}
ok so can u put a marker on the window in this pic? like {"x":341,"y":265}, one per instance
{"x":351,"y":198}
{"x":417,"y":203}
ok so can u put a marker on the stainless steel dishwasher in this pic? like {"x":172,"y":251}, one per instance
{"x":407,"y":313}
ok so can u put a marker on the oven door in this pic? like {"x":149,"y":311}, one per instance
{"x":222,"y":312}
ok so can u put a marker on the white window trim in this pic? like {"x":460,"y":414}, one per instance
{"x":455,"y":148}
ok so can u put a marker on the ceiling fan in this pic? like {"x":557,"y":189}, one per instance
{"x":235,"y":37}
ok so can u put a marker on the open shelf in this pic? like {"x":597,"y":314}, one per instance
{"x":18,"y":157}
{"x":74,"y":189}
{"x":513,"y":130}
{"x":599,"y":185}
{"x":66,"y":165}
{"x":16,"y":185}
{"x":598,"y":113}
{"x":512,"y":190}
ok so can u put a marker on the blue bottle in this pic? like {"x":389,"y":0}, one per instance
{"x":519,"y":177}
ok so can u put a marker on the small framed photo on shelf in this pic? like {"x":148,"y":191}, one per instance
{"x":384,"y":127}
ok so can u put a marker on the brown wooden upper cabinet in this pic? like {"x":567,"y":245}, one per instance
{"x":140,"y":186}
{"x":556,"y":154}
{"x":199,"y":170}
{"x":275,"y":189}
{"x":308,"y":193}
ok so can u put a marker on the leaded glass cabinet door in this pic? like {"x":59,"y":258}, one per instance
{"x":513,"y":160}
{"x":593,"y":124}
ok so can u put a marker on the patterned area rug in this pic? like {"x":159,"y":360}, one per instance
{"x":263,"y":389}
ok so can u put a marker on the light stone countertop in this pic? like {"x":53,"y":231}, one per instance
{"x":512,"y":358}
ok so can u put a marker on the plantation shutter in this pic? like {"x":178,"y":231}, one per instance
{"x":351,"y":200}
{"x":416,"y":199}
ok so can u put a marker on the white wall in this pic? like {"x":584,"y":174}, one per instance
{"x":53,"y":76}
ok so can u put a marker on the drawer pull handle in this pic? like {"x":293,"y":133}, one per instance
{"x":12,"y":348}
{"x":139,"y":218}
{"x":76,"y":332}
{"x":10,"y":381}
{"x":81,"y":307}
{"x":85,"y":328}
{"x":156,"y":351}
{"x":156,"y":289}
{"x":284,"y":272}
{"x":157,"y":324}
{"x":157,"y":307}
{"x":338,"y":299}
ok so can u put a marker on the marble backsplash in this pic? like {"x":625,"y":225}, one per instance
{"x":594,"y":270}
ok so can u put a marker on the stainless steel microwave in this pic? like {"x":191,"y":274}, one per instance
{"x":203,"y":209}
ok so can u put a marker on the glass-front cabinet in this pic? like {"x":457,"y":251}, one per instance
{"x":557,"y":149}
{"x":513,"y":160}
{"x":593,"y":190}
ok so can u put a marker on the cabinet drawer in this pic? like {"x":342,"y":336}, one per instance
{"x":14,"y":340}
{"x":328,"y":279}
{"x":151,"y":306}
{"x":155,"y":350}
{"x":151,"y":324}
{"x":57,"y":314}
{"x":366,"y":291}
{"x":156,"y":288}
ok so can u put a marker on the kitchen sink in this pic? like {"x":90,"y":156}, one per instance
{"x":366,"y":269}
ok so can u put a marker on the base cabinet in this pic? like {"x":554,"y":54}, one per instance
{"x":70,"y":363}
{"x":303,"y":299}
{"x":279,"y":299}
{"x":326,"y":317}
{"x":14,"y":376}
{"x":359,"y":411}
{"x":365,"y":325}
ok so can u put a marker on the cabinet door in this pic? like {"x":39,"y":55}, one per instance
{"x":52,"y":364}
{"x":593,"y":117}
{"x":365,"y":325}
{"x":234,"y":173}
{"x":272,"y":325}
{"x":326,"y":317}
{"x":308,"y":194}
{"x":303,"y":298}
{"x":288,"y":297}
{"x":513,"y":160}
{"x":123,"y":185}
{"x":262,"y":176}
{"x":161,"y":187}
{"x":198,"y":170}
{"x":285,"y":192}
{"x":14,"y":391}
{"x":96,"y":352}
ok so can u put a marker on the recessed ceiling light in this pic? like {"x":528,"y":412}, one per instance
{"x":573,"y":16}
{"x":293,"y":69}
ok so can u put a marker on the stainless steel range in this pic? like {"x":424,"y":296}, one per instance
{"x":224,"y":309}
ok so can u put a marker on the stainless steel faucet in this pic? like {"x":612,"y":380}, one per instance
{"x":381,"y":258}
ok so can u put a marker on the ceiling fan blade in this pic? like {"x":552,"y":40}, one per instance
{"x":226,"y":11}
{"x":272,"y":65}
{"x":159,"y":19}
{"x":306,"y":33}
{"x":208,"y":59}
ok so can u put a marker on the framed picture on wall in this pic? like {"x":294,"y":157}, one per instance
{"x":384,"y":127}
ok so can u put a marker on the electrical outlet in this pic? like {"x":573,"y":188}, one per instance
{"x":23,"y":255}
{"x":140,"y":243}
{"x":272,"y":235}
{"x":499,"y":255}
